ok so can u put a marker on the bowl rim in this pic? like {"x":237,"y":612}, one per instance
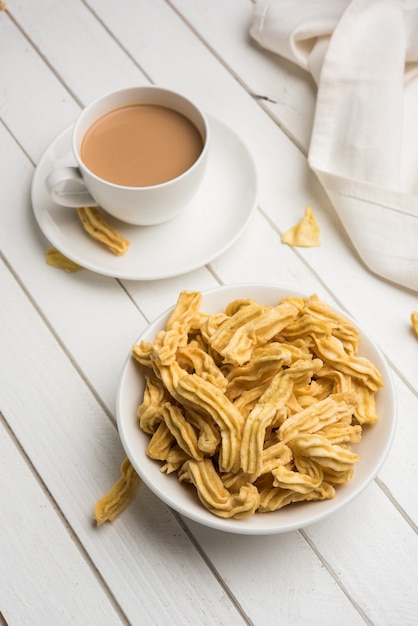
{"x":295,"y":516}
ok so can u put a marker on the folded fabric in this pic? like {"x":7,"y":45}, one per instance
{"x":363,"y":56}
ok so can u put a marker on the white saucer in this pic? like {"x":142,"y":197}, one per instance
{"x":210,"y":224}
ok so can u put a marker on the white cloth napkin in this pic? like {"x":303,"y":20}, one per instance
{"x":363,"y":56}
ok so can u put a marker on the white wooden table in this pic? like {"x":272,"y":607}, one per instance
{"x":64,"y":338}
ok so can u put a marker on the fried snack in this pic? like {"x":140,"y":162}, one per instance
{"x":178,"y":325}
{"x":256,"y":406}
{"x":301,"y":482}
{"x":331,"y":350}
{"x":202,"y":395}
{"x":335,"y":408}
{"x":414,"y":321}
{"x":365,"y":411}
{"x":273,"y":399}
{"x":150,"y":410}
{"x":265,"y":363}
{"x":213,"y":493}
{"x":143,"y":353}
{"x":274,"y":498}
{"x":97,"y":227}
{"x":55,"y":258}
{"x":317,"y":318}
{"x":208,"y":434}
{"x":119,"y":496}
{"x":175,"y":459}
{"x":249,"y":327}
{"x":305,"y":233}
{"x":182,"y":431}
{"x":194,"y":358}
{"x":325,"y":454}
{"x":161,"y":443}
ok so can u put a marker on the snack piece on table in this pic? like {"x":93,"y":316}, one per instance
{"x":119,"y":496}
{"x":305,"y":233}
{"x":98,"y":228}
{"x":414,"y":321}
{"x":55,"y":258}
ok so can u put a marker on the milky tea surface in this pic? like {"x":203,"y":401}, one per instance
{"x":140,"y":145}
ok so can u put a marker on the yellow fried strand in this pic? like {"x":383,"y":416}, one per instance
{"x":208,"y":436}
{"x":55,"y":258}
{"x":192,"y":357}
{"x":143,"y":353}
{"x":119,"y":496}
{"x":174,"y":460}
{"x":160,"y":443}
{"x":305,"y":233}
{"x":297,"y":481}
{"x":213,"y":493}
{"x":182,"y":431}
{"x":275,"y":498}
{"x":261,"y":416}
{"x":150,"y":410}
{"x":237,"y":347}
{"x":340,"y":326}
{"x":341,"y":432}
{"x":329,"y":456}
{"x":265,"y":363}
{"x":97,"y":227}
{"x":339,"y":381}
{"x":414,"y":321}
{"x":366,"y":410}
{"x":275,"y":455}
{"x":331,"y":350}
{"x":223,"y":333}
{"x":204,"y":396}
{"x":335,"y":408}
{"x":175,"y":335}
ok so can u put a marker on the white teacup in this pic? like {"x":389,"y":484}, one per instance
{"x":143,"y":203}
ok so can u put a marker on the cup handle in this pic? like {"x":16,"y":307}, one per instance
{"x":67,"y":188}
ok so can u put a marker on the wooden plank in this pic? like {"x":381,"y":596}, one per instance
{"x":45,"y":578}
{"x":104,"y":64}
{"x":91,"y":310}
{"x":278,"y":579}
{"x":356,"y":559}
{"x":282,"y":89}
{"x":145,"y":557}
{"x":286,"y":185}
{"x":81,"y":51}
{"x":369,"y":546}
{"x":32,"y":111}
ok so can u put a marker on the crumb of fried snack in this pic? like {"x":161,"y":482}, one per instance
{"x":305,"y":233}
{"x":55,"y":258}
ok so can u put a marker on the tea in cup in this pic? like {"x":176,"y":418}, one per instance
{"x":141,"y":154}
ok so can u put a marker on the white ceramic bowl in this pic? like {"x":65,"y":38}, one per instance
{"x":373,"y":448}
